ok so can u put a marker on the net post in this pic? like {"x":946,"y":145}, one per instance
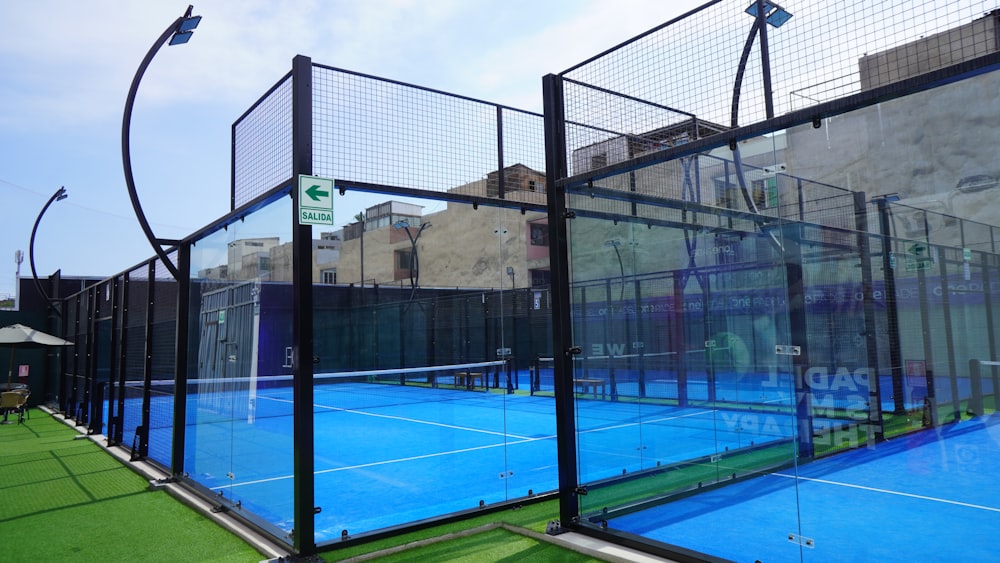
{"x":975,"y":406}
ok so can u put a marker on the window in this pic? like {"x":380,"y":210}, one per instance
{"x":727,"y":194}
{"x":598,"y":161}
{"x":540,"y":278}
{"x":765,"y":192}
{"x":403,"y":258}
{"x":539,"y":234}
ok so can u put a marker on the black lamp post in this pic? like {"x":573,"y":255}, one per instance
{"x":178,"y":33}
{"x":58,"y":196}
{"x":615,"y":243}
{"x":414,"y":260}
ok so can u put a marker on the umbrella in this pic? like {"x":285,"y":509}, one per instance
{"x":20,"y":336}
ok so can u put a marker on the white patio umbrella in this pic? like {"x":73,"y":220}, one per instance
{"x":20,"y":336}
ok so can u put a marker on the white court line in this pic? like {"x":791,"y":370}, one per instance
{"x":520,"y":440}
{"x":888,"y":492}
{"x":627,"y":425}
{"x":407,"y":419}
{"x":385,"y":462}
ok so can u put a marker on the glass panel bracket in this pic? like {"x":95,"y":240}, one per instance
{"x":802,"y":540}
{"x":787,"y":350}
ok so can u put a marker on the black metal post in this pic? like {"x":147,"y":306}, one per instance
{"x":798,"y":335}
{"x":931,"y":417}
{"x":868,"y":304}
{"x":891,"y":305}
{"x":949,"y":335}
{"x":147,"y":362}
{"x":181,"y":358}
{"x":114,"y":352}
{"x":122,"y":356}
{"x":90,"y":369}
{"x":303,"y":535}
{"x":990,"y":326}
{"x":562,"y":333}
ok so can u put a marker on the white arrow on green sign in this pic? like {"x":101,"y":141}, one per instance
{"x":315,"y":200}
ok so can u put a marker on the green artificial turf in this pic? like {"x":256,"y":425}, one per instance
{"x":497,"y":544}
{"x":64,"y":499}
{"x":533,"y":517}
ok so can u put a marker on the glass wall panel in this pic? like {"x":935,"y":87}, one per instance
{"x":239,"y":439}
{"x":887,"y":287}
{"x":686,"y":283}
{"x":428,"y":322}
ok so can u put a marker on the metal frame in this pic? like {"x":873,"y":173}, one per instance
{"x":303,"y":536}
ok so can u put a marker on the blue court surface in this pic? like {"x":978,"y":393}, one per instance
{"x":929,"y":496}
{"x":388,"y":454}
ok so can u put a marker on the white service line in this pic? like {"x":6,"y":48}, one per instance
{"x":385,"y":462}
{"x":888,"y":492}
{"x":407,"y":419}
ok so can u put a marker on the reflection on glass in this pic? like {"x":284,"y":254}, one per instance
{"x":425,"y":343}
{"x":781,"y":348}
{"x":239,"y":437}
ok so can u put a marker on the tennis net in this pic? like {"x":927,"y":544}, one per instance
{"x":222,"y":399}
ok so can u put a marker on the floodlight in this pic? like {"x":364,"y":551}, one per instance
{"x":778,"y":17}
{"x":181,"y":38}
{"x":189,"y":24}
{"x":773,"y":13}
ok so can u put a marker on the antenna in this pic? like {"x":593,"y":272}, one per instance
{"x":18,"y":259}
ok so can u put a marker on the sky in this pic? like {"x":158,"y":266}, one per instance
{"x":67,"y":66}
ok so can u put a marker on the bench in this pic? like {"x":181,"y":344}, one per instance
{"x":468,"y":379}
{"x":586,"y":383}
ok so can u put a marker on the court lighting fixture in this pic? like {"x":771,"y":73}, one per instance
{"x":178,"y":33}
{"x":773,"y":13}
{"x":186,"y":28}
{"x":58,"y":196}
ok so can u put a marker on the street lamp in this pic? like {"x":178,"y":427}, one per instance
{"x":764,"y":13}
{"x":58,"y":196}
{"x":414,"y":260}
{"x":178,"y":33}
{"x":510,"y":272}
{"x":615,"y":243}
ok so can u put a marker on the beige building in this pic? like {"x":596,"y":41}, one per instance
{"x":460,"y":246}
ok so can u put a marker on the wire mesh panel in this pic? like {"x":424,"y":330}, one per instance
{"x":134,"y":330}
{"x":399,"y":136}
{"x":262,"y":145}
{"x":161,"y":350}
{"x":820,"y":52}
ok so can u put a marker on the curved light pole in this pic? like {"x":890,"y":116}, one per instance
{"x":764,"y":12}
{"x":58,"y":196}
{"x":615,"y":243}
{"x":414,"y":260}
{"x":178,"y":32}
